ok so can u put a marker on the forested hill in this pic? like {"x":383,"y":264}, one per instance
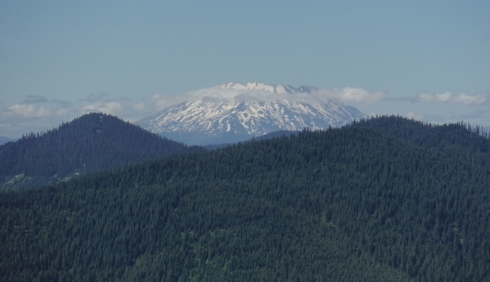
{"x":89,"y":143}
{"x":470,"y":143}
{"x":349,"y":204}
{"x":466,"y":141}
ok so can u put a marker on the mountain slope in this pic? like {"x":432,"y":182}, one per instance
{"x":89,"y":143}
{"x":236,"y":112}
{"x":275,"y":134}
{"x":349,"y":204}
{"x":462,"y":140}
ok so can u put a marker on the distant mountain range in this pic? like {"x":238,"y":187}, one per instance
{"x":89,"y":143}
{"x":4,"y":140}
{"x":235,"y":112}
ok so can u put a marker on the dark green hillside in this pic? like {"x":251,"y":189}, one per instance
{"x":349,"y":204}
{"x":86,"y":144}
{"x":275,"y":134}
{"x":463,"y":140}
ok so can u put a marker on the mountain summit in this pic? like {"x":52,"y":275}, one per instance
{"x":235,"y":112}
{"x":274,"y":88}
{"x":86,"y":144}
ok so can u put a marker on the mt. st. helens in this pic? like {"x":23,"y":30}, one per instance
{"x":235,"y":112}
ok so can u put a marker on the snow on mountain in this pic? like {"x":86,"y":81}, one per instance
{"x":235,"y":112}
{"x":275,"y":88}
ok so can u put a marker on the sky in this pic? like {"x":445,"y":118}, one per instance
{"x":429,"y":60}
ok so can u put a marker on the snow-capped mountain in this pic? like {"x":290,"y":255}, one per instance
{"x":274,"y":88}
{"x":235,"y":112}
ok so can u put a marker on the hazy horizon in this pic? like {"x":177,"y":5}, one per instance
{"x":59,"y":60}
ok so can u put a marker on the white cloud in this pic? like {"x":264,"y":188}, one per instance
{"x":351,"y":95}
{"x":344,"y":95}
{"x":111,"y":108}
{"x":62,"y":112}
{"x":466,"y":99}
{"x":415,"y":116}
{"x":431,"y":97}
{"x":155,"y":97}
{"x":448,"y":97}
{"x":36,"y":113}
{"x":139,"y":106}
{"x":162,"y":101}
{"x":27,"y":110}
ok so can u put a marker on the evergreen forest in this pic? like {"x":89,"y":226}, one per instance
{"x":86,"y":144}
{"x":384,"y":199}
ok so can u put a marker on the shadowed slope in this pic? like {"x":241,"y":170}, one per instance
{"x":86,"y":144}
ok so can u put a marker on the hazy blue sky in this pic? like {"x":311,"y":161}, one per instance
{"x":60,"y":59}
